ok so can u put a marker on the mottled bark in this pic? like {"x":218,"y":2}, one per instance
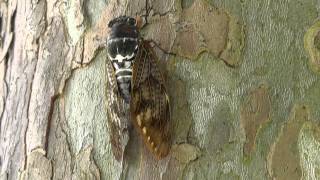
{"x":243,"y":79}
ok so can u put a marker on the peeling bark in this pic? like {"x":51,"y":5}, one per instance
{"x":53,"y":122}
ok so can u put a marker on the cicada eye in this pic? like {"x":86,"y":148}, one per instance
{"x":131,"y":21}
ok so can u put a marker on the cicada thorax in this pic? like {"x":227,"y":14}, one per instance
{"x":122,"y":46}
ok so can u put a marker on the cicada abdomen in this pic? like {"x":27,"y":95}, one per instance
{"x":138,"y":83}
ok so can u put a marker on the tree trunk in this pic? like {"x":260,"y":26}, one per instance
{"x":243,"y":80}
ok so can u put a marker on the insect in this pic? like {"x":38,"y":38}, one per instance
{"x":136,"y":90}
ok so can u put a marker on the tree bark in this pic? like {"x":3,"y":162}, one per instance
{"x":243,"y":80}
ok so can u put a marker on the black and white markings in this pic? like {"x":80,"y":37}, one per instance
{"x":122,"y":46}
{"x":133,"y":73}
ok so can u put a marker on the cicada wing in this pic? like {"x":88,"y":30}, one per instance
{"x":118,"y":115}
{"x":150,"y":111}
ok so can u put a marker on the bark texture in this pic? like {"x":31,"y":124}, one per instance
{"x":243,"y":79}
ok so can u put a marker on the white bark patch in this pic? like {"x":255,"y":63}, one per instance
{"x":85,"y":167}
{"x":38,"y":166}
{"x":73,"y":16}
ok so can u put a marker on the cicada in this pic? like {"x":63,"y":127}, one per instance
{"x":136,"y":92}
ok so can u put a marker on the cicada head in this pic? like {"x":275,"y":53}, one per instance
{"x":123,"y":38}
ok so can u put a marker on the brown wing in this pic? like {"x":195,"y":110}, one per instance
{"x":117,"y":113}
{"x":150,"y":110}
